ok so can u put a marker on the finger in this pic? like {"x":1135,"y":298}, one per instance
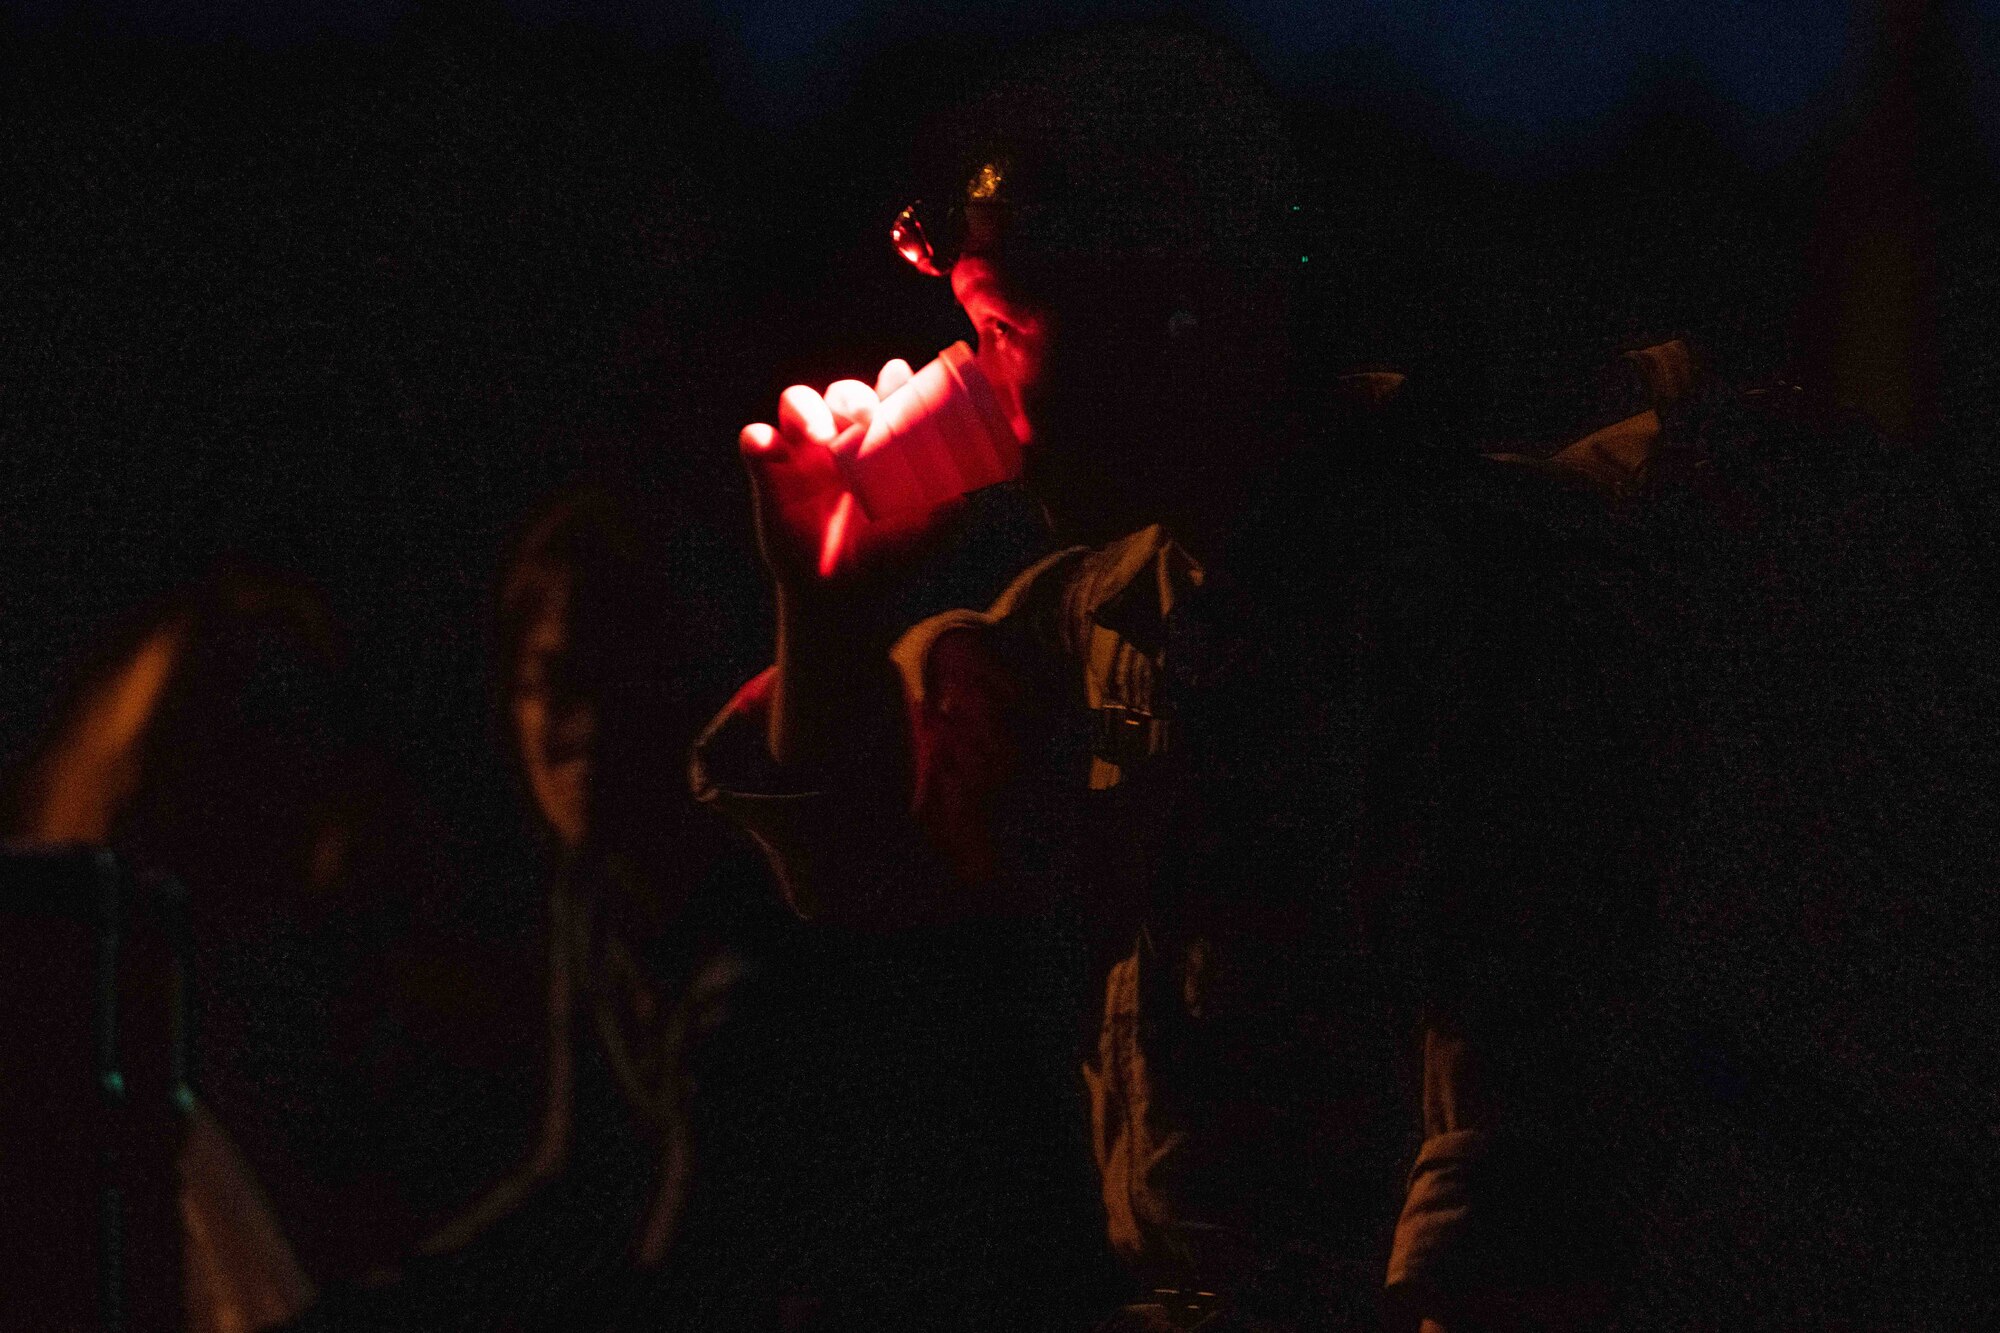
{"x":802,"y":415}
{"x":895,"y":374}
{"x":849,"y":439}
{"x":833,"y":539}
{"x":850,"y":401}
{"x":784,"y":460}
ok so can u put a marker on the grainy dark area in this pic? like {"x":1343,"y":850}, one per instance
{"x":348,"y":305}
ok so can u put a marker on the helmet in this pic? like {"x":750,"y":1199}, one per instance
{"x":1114,"y":147}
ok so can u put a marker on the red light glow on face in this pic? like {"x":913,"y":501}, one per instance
{"x":1013,"y":336}
{"x":836,"y":534}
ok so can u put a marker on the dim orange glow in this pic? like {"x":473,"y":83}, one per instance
{"x":985,"y":183}
{"x":836,"y":534}
{"x":91,"y":773}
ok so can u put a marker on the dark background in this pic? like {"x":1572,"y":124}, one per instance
{"x":344,"y":289}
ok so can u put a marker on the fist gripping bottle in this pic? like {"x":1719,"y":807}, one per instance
{"x":940,"y":436}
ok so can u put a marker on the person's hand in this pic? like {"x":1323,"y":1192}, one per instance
{"x":814,"y":536}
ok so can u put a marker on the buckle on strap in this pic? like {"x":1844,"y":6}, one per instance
{"x":1126,"y":736}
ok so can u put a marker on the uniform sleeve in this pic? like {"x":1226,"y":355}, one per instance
{"x":731,"y":771}
{"x":840,"y":846}
{"x":860,"y":849}
{"x":1435,"y":1235}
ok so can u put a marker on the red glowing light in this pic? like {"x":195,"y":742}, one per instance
{"x":836,"y":534}
{"x":906,"y":233}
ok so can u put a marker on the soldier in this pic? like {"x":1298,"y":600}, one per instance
{"x":1136,"y":781}
{"x":1280,"y":754}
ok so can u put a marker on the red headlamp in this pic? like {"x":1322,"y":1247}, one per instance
{"x":914,"y":241}
{"x":931,"y":239}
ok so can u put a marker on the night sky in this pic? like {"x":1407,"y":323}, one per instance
{"x":1521,"y":78}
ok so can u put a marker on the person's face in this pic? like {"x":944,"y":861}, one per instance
{"x":1014,"y":340}
{"x":1084,"y":392}
{"x":553,"y":727}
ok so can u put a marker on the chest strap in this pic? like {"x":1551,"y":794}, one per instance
{"x":1127,"y":736}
